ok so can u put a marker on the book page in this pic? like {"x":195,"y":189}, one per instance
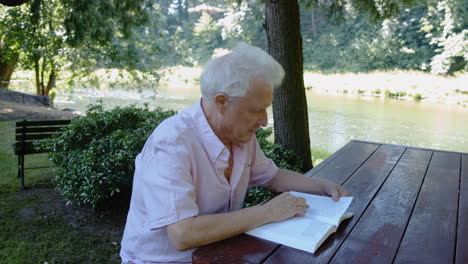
{"x":324,"y":208}
{"x":298,"y":232}
{"x":309,"y":231}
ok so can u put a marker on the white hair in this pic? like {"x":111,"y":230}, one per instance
{"x":231,"y":73}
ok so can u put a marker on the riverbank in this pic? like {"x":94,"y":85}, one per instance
{"x":401,"y":85}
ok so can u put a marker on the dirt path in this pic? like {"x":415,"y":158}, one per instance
{"x":15,"y":106}
{"x":12,"y":111}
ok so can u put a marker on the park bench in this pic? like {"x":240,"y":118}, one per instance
{"x":27,"y":132}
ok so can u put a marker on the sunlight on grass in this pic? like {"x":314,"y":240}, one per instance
{"x":319,"y":155}
{"x":34,"y":225}
{"x":9,"y":163}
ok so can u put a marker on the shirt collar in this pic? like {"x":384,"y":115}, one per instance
{"x":210,"y":141}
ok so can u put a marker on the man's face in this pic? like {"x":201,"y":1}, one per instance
{"x":244,"y":115}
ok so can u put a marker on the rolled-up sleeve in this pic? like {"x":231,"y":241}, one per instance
{"x":167,"y":186}
{"x":262,"y":169}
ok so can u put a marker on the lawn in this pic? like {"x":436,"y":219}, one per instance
{"x":38,"y":227}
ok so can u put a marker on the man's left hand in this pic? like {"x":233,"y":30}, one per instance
{"x":333,"y":190}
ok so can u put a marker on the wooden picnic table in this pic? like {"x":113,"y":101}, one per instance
{"x":410,"y":206}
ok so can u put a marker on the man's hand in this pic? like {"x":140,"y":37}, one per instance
{"x":334,"y":190}
{"x":285,"y":206}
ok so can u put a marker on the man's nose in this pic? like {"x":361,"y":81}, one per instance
{"x":263,"y":120}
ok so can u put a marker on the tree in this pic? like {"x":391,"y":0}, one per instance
{"x":45,"y":31}
{"x":290,"y":104}
{"x":11,"y":35}
{"x":282,"y":24}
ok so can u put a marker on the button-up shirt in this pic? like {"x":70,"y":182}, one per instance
{"x":180,"y":174}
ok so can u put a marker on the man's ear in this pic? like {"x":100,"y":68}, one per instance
{"x":221,"y":101}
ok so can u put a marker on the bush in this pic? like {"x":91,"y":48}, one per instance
{"x":283,"y":158}
{"x":94,"y":157}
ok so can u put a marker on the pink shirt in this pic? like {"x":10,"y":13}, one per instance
{"x":180,"y":174}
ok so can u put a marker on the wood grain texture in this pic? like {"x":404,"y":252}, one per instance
{"x":343,"y":166}
{"x":462,"y":232}
{"x":377,"y":235}
{"x":43,"y":123}
{"x":325,"y":162}
{"x":363,"y":185}
{"x":19,"y":130}
{"x":239,"y":249}
{"x":410,"y":205}
{"x":346,"y":151}
{"x":430,"y":235}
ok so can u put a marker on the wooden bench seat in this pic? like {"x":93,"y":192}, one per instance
{"x":28,"y":132}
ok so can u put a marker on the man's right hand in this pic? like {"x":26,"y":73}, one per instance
{"x":285,"y":206}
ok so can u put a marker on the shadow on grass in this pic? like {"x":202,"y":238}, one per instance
{"x":37,"y":225}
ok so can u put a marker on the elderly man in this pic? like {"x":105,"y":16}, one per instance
{"x":193,"y":172}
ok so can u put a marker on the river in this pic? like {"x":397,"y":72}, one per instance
{"x":333,"y":120}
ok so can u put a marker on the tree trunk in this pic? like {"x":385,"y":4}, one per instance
{"x":38,"y":79}
{"x":289,"y":100}
{"x":6,"y":70}
{"x":42,"y":76}
{"x":51,"y":82}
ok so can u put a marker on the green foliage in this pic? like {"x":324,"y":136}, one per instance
{"x":396,"y":94}
{"x":102,"y":21}
{"x":206,"y":38}
{"x":82,"y":35}
{"x":450,"y":34}
{"x":430,"y":36}
{"x":12,"y":31}
{"x":282,"y":157}
{"x":417,"y":97}
{"x":95,"y":155}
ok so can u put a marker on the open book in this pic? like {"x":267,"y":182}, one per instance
{"x":307,"y":232}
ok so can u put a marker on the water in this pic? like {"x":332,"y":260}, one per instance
{"x":333,"y":120}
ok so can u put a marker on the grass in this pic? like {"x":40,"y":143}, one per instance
{"x":34,"y":223}
{"x":319,"y":155}
{"x":8,"y":162}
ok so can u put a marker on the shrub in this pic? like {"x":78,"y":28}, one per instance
{"x":417,"y":97}
{"x":94,"y":156}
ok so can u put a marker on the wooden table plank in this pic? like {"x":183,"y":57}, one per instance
{"x":238,"y":249}
{"x":430,"y":235}
{"x":462,"y":233}
{"x":332,"y":157}
{"x":344,"y":165}
{"x":376,"y":236}
{"x":363,"y":185}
